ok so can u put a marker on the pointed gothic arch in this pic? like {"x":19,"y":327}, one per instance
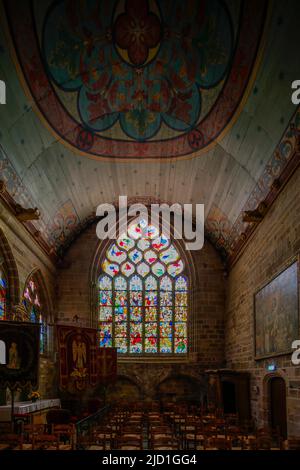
{"x":36,"y":304}
{"x":11,"y":274}
{"x":188,"y":274}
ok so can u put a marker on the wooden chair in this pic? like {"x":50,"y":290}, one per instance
{"x":264,"y":443}
{"x":164,"y":443}
{"x":5,"y":428}
{"x":157,"y":435}
{"x":234,"y":433}
{"x":98,"y":441}
{"x":29,"y":431}
{"x":291,"y":444}
{"x":130,"y":443}
{"x":161,"y":428}
{"x":265,"y":431}
{"x":105,"y":436}
{"x":249,"y":443}
{"x":11,"y":441}
{"x":65,"y":437}
{"x":247,"y":426}
{"x":129,"y":428}
{"x":194,"y":439}
{"x":187,"y":431}
{"x":217,"y":443}
{"x":231,"y":419}
{"x":45,"y":442}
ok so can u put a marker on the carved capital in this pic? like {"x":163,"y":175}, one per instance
{"x":2,"y":187}
{"x":24,"y":215}
{"x":255,"y":215}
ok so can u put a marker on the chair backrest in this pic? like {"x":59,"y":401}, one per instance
{"x":292,"y":444}
{"x":219,"y":443}
{"x":160,"y":429}
{"x":29,"y":429}
{"x":168,"y":442}
{"x":267,"y":432}
{"x":61,"y":428}
{"x":131,"y":428}
{"x":130,"y":441}
{"x":5,"y":428}
{"x":231,"y":418}
{"x":13,"y":440}
{"x":264,"y":443}
{"x":45,"y":440}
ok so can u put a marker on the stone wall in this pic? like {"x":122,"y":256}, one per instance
{"x":274,"y":245}
{"x":207,"y":304}
{"x":26,"y":257}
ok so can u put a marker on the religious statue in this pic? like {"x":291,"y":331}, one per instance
{"x":79,"y":353}
{"x":13,"y":357}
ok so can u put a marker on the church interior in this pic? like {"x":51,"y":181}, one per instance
{"x":135,"y":341}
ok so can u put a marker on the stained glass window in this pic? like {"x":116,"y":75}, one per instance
{"x":143,"y":294}
{"x":32,"y":301}
{"x":3,"y":294}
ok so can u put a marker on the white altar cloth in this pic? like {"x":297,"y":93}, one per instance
{"x":24,"y":407}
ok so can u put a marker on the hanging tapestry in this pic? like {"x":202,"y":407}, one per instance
{"x":77,"y":357}
{"x":19,"y":354}
{"x":107,"y":365}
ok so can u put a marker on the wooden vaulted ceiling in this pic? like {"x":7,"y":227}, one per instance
{"x":238,"y":133}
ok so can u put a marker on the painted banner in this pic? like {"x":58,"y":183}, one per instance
{"x":107,"y":365}
{"x":83,"y":365}
{"x":77,"y":357}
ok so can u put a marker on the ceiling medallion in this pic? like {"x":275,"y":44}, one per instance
{"x":137,"y":78}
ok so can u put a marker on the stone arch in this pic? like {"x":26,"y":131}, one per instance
{"x":191,"y":275}
{"x":266,"y":381}
{"x":191,"y":390}
{"x":125,"y":389}
{"x":36,"y":272}
{"x":11,"y":271}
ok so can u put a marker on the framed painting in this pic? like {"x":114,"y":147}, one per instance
{"x":276,"y":314}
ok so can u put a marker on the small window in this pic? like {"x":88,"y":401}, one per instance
{"x":3,"y":294}
{"x":35,"y":307}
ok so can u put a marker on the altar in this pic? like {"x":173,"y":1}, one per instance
{"x":32,"y":412}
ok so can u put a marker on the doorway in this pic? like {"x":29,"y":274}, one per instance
{"x":229,"y":397}
{"x":278,"y":415}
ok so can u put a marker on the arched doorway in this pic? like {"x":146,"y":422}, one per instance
{"x":277,"y":401}
{"x":229,"y":397}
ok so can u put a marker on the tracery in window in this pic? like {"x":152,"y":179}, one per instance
{"x":143,"y":294}
{"x":3,"y":294}
{"x":33,"y":302}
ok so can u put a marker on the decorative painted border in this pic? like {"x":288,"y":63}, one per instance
{"x":207,"y":133}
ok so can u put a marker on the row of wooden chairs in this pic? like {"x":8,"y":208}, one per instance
{"x":39,"y":436}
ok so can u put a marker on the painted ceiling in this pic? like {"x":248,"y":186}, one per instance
{"x":164,"y":100}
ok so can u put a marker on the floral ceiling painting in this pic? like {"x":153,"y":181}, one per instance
{"x":137,"y":78}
